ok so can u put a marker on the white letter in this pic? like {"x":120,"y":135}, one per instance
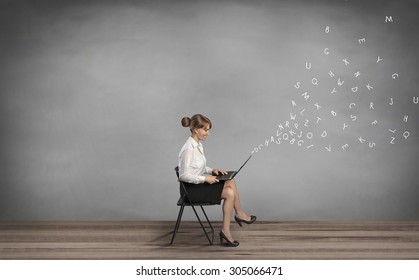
{"x":389,"y":19}
{"x":394,"y":76}
{"x":405,"y":118}
{"x":415,"y":99}
{"x":315,"y":82}
{"x":327,"y":30}
{"x":326,"y":51}
{"x":333,"y":113}
{"x":371,"y":105}
{"x":297,"y":85}
{"x":391,"y":101}
{"x":308,"y":65}
{"x":352,"y":105}
{"x":346,"y":61}
{"x":357,"y":74}
{"x":369,"y":87}
{"x":305,"y":95}
{"x":379,"y":59}
{"x":354,"y":89}
{"x":324,"y":134}
{"x":361,"y":40}
{"x":331,"y":74}
{"x":406,"y":134}
{"x":344,"y":126}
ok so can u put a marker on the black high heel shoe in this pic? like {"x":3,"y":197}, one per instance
{"x":240,"y":221}
{"x":229,"y":243}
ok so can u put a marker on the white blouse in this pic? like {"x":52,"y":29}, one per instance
{"x":192,"y":163}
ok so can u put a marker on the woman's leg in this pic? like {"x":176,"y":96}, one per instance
{"x":231,"y":200}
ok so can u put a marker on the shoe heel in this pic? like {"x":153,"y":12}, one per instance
{"x":238,"y":221}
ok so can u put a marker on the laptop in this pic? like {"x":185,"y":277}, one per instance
{"x":231,"y":174}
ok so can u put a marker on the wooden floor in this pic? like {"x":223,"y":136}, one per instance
{"x":262,"y":240}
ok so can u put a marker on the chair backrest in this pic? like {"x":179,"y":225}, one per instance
{"x":182,"y":188}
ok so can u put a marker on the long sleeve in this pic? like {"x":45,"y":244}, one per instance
{"x":192,"y":163}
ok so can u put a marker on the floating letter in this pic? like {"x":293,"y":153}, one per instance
{"x":293,"y":103}
{"x":379,"y":59}
{"x":361,"y":40}
{"x":369,"y":87}
{"x":305,"y":95}
{"x":333,"y":113}
{"x":327,"y":30}
{"x":302,"y":111}
{"x":331,"y":74}
{"x":324,"y":134}
{"x":326,"y":51}
{"x":395,"y":76}
{"x":357,"y":74}
{"x":352,"y":105}
{"x":389,"y":19}
{"x":391,"y":101}
{"x":308,"y":65}
{"x":362,"y":140}
{"x":354,"y":89}
{"x":346,"y":61}
{"x":345,"y":146}
{"x":318,"y":119}
{"x":340,"y":82}
{"x":315,"y":82}
{"x":415,"y":99}
{"x":292,"y":117}
{"x":344,"y":126}
{"x":317,"y":106}
{"x":371,"y":105}
{"x":406,"y":134}
{"x":405,"y":118}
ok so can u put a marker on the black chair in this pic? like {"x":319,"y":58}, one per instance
{"x":185,"y":201}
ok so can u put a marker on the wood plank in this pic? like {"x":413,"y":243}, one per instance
{"x":262,"y":240}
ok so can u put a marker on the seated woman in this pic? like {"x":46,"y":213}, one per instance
{"x":201,"y":181}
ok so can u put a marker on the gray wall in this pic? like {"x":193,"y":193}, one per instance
{"x":92,"y":93}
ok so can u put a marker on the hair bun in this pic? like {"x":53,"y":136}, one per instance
{"x":186,"y":121}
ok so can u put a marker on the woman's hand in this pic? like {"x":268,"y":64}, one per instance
{"x":219,"y":172}
{"x":211,"y":179}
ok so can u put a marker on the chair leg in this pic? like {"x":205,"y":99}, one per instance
{"x":202,"y":226}
{"x":209,"y":223}
{"x":179,"y":218}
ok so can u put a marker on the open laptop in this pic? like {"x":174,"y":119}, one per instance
{"x":231,"y":174}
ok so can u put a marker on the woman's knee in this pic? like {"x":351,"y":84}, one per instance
{"x":228,"y":192}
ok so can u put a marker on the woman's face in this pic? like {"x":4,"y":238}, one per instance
{"x":202,"y":133}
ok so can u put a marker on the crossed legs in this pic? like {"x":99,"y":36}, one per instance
{"x":231,"y":201}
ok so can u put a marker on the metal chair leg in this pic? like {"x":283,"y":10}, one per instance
{"x":202,"y":226}
{"x":179,"y":218}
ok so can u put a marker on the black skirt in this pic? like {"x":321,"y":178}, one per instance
{"x":205,"y":192}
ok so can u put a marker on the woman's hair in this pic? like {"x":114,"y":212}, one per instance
{"x":196,"y":121}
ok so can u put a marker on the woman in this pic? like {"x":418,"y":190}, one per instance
{"x":201,"y":181}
